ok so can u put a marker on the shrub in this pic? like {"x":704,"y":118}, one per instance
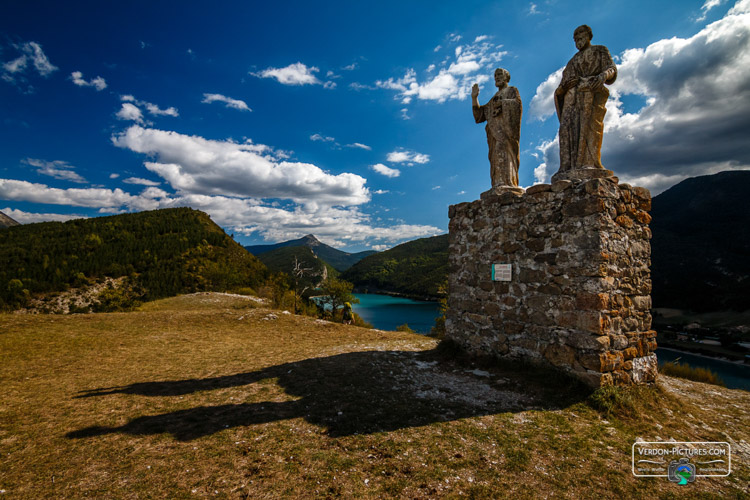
{"x":404,"y":328}
{"x":698,"y":374}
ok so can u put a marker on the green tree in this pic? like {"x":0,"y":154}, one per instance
{"x":336,"y":293}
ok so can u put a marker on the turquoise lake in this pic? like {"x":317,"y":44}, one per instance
{"x":386,"y":313}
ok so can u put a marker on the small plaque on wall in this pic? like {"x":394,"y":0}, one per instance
{"x":502,"y":272}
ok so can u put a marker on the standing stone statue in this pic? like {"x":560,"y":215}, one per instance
{"x":503,"y":116}
{"x":580,"y":101}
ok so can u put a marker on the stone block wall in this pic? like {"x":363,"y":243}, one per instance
{"x":579,"y":292}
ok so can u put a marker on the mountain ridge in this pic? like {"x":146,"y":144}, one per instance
{"x":338,"y":259}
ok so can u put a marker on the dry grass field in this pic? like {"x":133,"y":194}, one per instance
{"x":211,"y":395}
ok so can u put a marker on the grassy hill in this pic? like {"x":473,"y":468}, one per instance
{"x":162,"y":252}
{"x":338,"y":259}
{"x":214,"y":395}
{"x":415,"y":269}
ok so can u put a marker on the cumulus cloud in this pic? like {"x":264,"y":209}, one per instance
{"x":58,"y":169}
{"x":30,"y":217}
{"x":98,"y":83}
{"x":31,"y":59}
{"x":230,"y":103}
{"x":294,"y":74}
{"x":387,"y":171}
{"x":407,"y":157}
{"x":192,"y":164}
{"x":471,"y":64}
{"x":696,"y":116}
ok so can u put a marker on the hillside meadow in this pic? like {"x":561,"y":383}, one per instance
{"x":214,"y":395}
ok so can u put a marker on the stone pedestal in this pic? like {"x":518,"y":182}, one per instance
{"x":573,"y":286}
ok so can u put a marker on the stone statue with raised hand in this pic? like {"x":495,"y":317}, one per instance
{"x":580,"y":100}
{"x":503,"y":116}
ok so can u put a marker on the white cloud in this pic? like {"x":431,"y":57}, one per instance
{"x":30,"y":218}
{"x":387,"y":171}
{"x":381,"y":191}
{"x":473,"y":64}
{"x":15,"y":190}
{"x":239,"y":215}
{"x":134,"y":113}
{"x":153,"y":109}
{"x":192,"y":164}
{"x":405,"y":114}
{"x":321,"y":138}
{"x":57,"y":169}
{"x":707,"y":6}
{"x":436,"y":187}
{"x":329,"y":85}
{"x":230,"y":103}
{"x":358,"y":86}
{"x":131,"y":112}
{"x":408,"y":157}
{"x":695,"y":118}
{"x":533,"y":9}
{"x":31,"y":55}
{"x":114,"y":176}
{"x":140,"y":181}
{"x":350,"y":67}
{"x":294,"y":74}
{"x":542,"y":105}
{"x":359,"y":145}
{"x":99,"y":83}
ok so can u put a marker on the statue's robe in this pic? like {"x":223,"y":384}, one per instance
{"x":581,"y":109}
{"x":503,"y":116}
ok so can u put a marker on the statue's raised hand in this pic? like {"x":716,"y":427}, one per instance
{"x":475,"y":90}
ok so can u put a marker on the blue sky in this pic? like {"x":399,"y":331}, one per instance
{"x":347,"y":120}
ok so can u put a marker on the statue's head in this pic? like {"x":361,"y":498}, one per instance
{"x":582,"y":36}
{"x":502,"y":77}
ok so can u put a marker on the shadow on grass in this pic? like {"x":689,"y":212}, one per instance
{"x":355,"y":393}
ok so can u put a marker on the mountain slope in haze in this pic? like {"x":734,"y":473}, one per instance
{"x":163,"y":252}
{"x":415,"y":269}
{"x":700,"y":250}
{"x":6,"y":221}
{"x":339,"y":259}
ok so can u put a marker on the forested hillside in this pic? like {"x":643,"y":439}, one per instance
{"x":312,"y":269}
{"x":416,"y":269}
{"x":701,"y":244}
{"x":163,"y":252}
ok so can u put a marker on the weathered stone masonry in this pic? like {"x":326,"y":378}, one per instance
{"x":579,"y":296}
